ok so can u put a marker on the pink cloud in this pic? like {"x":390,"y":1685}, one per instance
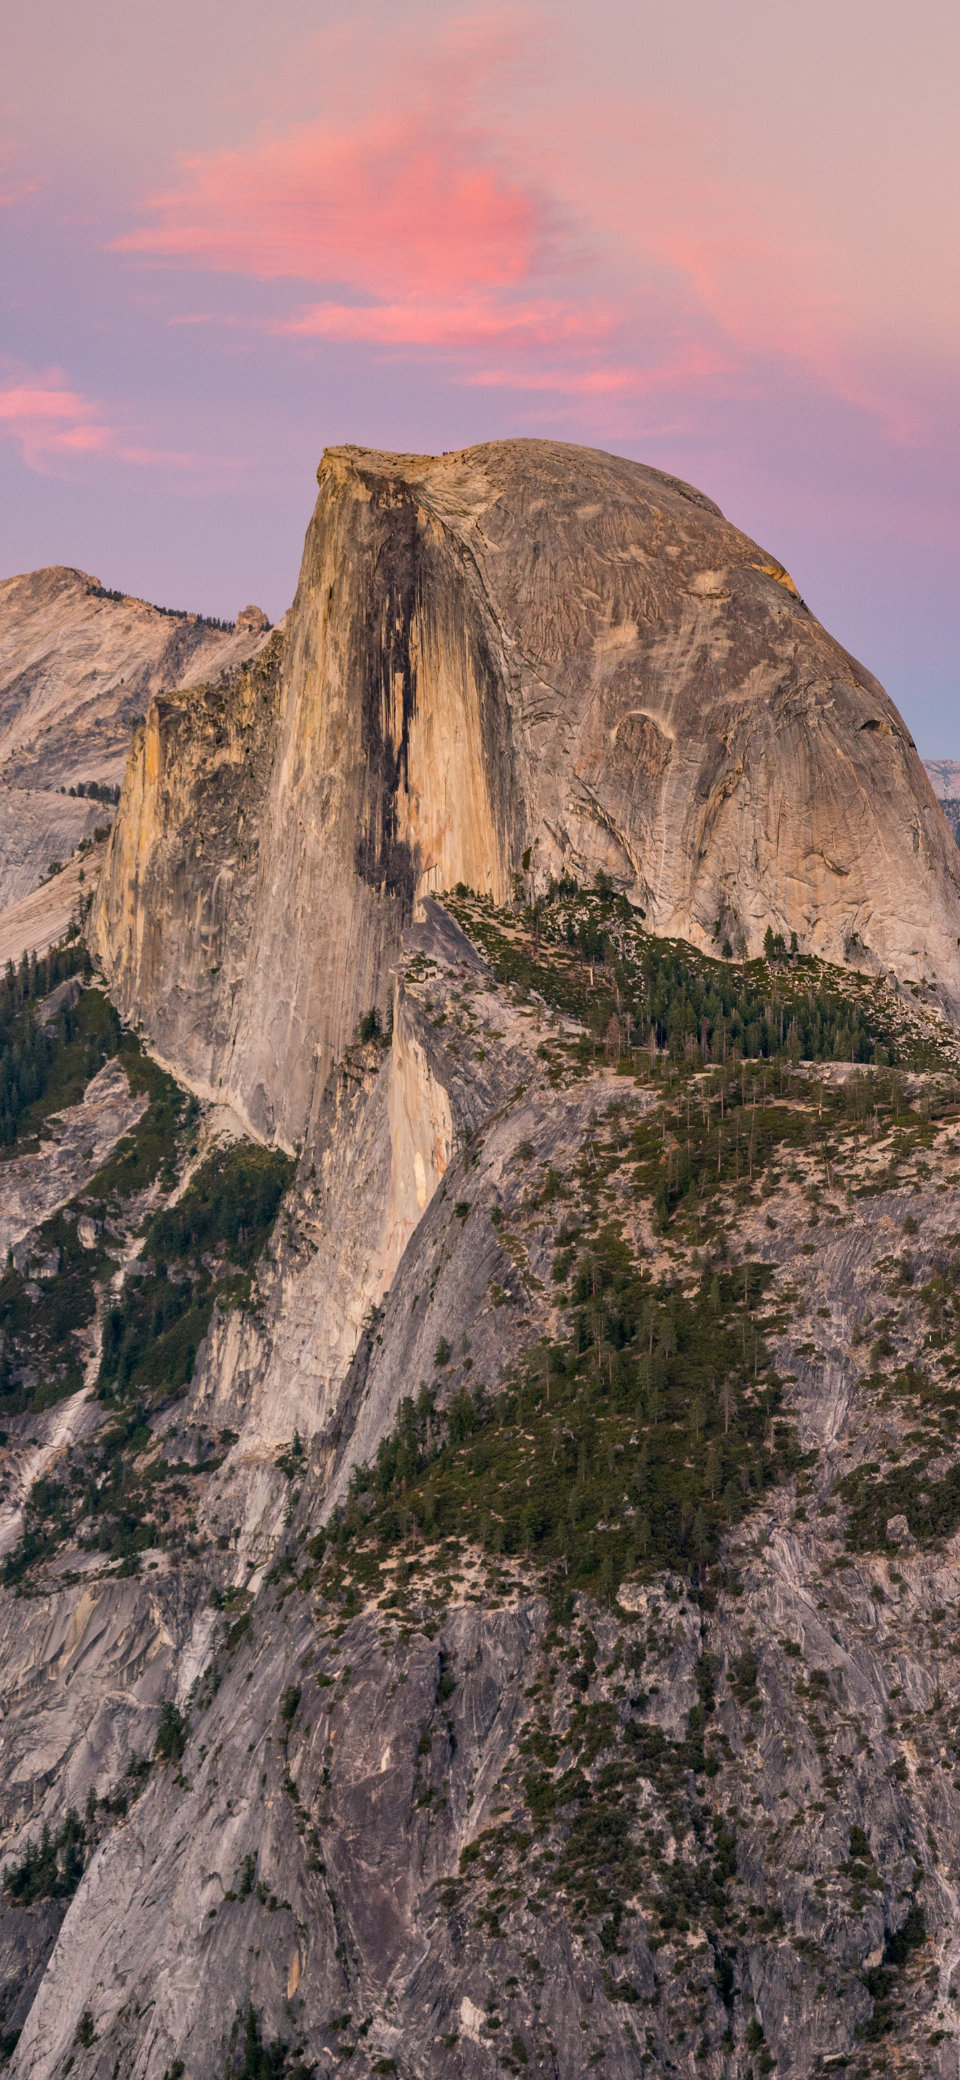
{"x":595,"y":249}
{"x":51,"y":423}
{"x":406,"y":198}
{"x":391,"y":207}
{"x":402,"y":193}
{"x":468,"y":324}
{"x":694,"y":363}
{"x":756,"y":264}
{"x":46,"y":421}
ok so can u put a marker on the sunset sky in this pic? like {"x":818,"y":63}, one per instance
{"x":719,"y":237}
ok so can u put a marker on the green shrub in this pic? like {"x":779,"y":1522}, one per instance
{"x":197,"y":1253}
{"x":288,"y":1704}
{"x":172,"y":1733}
{"x":627,"y":1446}
{"x":51,"y":1868}
{"x":257,"y":2060}
{"x":41,"y":1068}
{"x":602,"y":961}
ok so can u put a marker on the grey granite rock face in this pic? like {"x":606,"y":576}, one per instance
{"x":522,"y":660}
{"x":37,"y":831}
{"x":350,"y":1842}
{"x":78,"y":667}
{"x":527,"y":648}
{"x":74,"y":1145}
{"x":41,"y":919}
{"x":77,"y":670}
{"x":366,"y":1869}
{"x":944,"y":777}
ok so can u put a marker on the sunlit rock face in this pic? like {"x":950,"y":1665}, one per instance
{"x":502,"y":665}
{"x":78,"y":666}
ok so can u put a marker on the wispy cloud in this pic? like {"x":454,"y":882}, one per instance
{"x":472,"y":323}
{"x":407,"y":197}
{"x":52,"y":425}
{"x":691,"y":364}
{"x":14,"y":187}
{"x":410,"y":202}
{"x":46,"y":420}
{"x":534,"y":241}
{"x":16,"y":191}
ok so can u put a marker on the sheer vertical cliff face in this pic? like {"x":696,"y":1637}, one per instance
{"x":523,"y":659}
{"x":274,"y":838}
{"x":179,"y":895}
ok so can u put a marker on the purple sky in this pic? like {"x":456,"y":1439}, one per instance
{"x":718,"y":235}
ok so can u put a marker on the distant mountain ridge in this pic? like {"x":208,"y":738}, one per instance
{"x":944,"y":776}
{"x":78,"y":667}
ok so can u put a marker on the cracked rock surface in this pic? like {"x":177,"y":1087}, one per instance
{"x":522,"y":659}
{"x":521,"y":1635}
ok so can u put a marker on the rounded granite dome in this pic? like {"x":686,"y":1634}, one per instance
{"x":528,"y":657}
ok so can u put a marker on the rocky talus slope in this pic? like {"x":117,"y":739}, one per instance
{"x":480,"y":1389}
{"x":78,"y":666}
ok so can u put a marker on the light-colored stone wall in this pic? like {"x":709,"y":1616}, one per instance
{"x":527,"y":651}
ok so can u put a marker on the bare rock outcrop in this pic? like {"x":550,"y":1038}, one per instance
{"x":944,"y":777}
{"x":75,"y":1145}
{"x":516,"y":1631}
{"x":502,"y":665}
{"x":31,"y":923}
{"x":40,"y":831}
{"x":78,"y":666}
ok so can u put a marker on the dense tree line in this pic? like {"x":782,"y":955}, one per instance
{"x":28,"y":1051}
{"x":629,"y":1444}
{"x":171,"y":613}
{"x":196,"y":1252}
{"x":633,"y":990}
{"x":94,"y":791}
{"x":50,"y":1868}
